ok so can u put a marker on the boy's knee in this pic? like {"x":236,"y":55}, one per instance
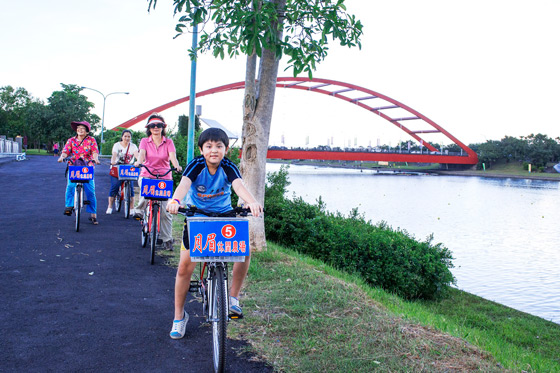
{"x":185,"y":268}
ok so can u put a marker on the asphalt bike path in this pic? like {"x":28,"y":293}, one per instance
{"x":90,"y":300}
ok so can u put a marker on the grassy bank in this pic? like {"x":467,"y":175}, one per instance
{"x":305,"y":316}
{"x":37,"y":152}
{"x":302,"y":315}
{"x":512,"y":169}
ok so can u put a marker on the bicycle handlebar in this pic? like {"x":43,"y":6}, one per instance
{"x":191,"y":210}
{"x":158,"y":175}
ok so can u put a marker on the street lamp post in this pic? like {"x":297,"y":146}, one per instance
{"x":104,"y":99}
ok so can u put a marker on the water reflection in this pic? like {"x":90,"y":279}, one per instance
{"x":503,"y":232}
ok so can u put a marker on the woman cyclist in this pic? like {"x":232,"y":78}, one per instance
{"x":81,"y":147}
{"x":123,"y":152}
{"x":156,"y":151}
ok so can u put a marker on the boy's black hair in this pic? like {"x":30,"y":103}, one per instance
{"x":213,"y":134}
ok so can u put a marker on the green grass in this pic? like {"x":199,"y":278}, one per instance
{"x":302,"y":315}
{"x":37,"y":152}
{"x":512,"y":169}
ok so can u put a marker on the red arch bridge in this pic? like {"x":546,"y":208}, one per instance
{"x":382,"y":106}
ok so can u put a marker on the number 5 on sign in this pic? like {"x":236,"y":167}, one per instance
{"x":228,"y":231}
{"x":218,"y":237}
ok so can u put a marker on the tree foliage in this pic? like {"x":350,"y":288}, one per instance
{"x":43,"y":124}
{"x":264,"y":31}
{"x":184,"y":125}
{"x":252,"y":26}
{"x":538,"y":150}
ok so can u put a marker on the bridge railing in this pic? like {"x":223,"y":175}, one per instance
{"x":369,"y":150}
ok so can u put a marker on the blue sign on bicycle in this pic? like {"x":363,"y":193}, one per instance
{"x":80,"y":173}
{"x":128,"y":172}
{"x":156,"y":188}
{"x":218,"y":237}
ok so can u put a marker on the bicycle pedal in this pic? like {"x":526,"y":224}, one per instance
{"x":86,"y":202}
{"x":234,"y":316}
{"x":194,"y":287}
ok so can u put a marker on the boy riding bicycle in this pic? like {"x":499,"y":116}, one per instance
{"x":207,"y":183}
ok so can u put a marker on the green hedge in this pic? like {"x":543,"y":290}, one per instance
{"x":390,"y":259}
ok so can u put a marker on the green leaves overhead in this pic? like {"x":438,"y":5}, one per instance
{"x":299,"y":29}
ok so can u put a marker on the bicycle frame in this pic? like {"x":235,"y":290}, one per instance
{"x":150,"y":211}
{"x":153,"y":216}
{"x":78,"y":203}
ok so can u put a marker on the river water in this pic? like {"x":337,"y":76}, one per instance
{"x":504,"y":233}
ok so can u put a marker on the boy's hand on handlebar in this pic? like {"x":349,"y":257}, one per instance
{"x":173,"y":207}
{"x":256,"y":208}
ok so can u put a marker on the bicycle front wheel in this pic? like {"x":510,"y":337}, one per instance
{"x":127,"y":199}
{"x":219,"y":318}
{"x":118,"y":199}
{"x":145,"y":229}
{"x":78,"y":200}
{"x":154,"y":232}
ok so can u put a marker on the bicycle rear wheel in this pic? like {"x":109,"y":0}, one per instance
{"x":127,"y":193}
{"x":78,"y":200}
{"x":219,"y":319}
{"x":154,"y":232}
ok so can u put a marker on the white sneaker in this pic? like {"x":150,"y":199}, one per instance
{"x":136,"y":214}
{"x":179,"y":326}
{"x":234,"y":306}
{"x":109,"y":211}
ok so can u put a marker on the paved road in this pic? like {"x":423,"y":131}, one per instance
{"x":87,"y":301}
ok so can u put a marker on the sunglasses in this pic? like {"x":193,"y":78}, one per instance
{"x":156,"y":125}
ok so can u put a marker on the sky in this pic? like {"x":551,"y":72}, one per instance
{"x":479,"y":69}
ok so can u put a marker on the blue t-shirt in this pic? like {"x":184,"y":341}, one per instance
{"x":211,"y":192}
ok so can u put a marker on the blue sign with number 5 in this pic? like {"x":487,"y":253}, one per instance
{"x":218,"y":237}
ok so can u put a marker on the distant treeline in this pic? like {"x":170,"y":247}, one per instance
{"x":42,"y":124}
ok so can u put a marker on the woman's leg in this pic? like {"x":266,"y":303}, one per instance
{"x":70,"y":188}
{"x":142,"y":202}
{"x":89,"y":189}
{"x":166,"y":221}
{"x":115,"y":185}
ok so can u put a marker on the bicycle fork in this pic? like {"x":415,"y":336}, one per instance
{"x":151,"y":214}
{"x":211,"y":317}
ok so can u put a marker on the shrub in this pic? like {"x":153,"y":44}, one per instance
{"x":390,"y":259}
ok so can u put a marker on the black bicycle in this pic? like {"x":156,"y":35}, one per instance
{"x":151,"y":221}
{"x":212,"y":280}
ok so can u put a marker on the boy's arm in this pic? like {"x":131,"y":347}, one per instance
{"x":180,"y":193}
{"x":245,"y":195}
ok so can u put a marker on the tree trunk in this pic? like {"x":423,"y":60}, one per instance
{"x":258,"y":104}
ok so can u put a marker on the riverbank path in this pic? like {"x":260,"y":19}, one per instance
{"x":87,"y":301}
